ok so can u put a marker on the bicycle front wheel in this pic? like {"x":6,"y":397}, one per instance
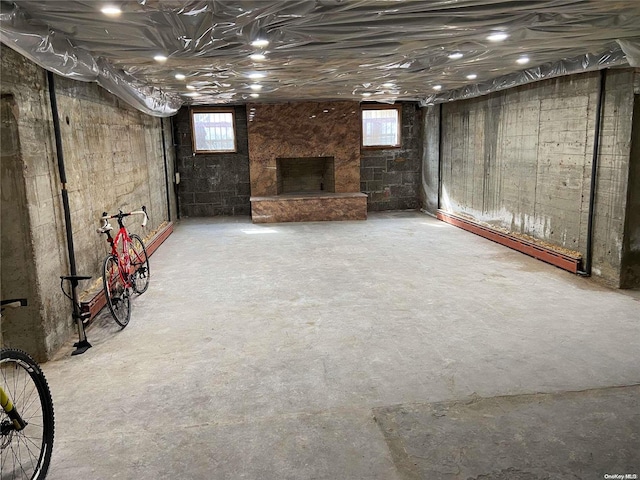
{"x":115,"y":292}
{"x":25,"y":453}
{"x":139,"y":265}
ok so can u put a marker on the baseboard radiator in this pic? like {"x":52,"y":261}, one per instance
{"x":546,"y":254}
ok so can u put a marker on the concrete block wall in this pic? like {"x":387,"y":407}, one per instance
{"x":391,"y":177}
{"x":521,"y":160}
{"x":212,"y":184}
{"x":114,"y":159}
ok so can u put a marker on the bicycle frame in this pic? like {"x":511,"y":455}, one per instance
{"x":123,"y":240}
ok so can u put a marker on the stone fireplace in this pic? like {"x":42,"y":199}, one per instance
{"x":304,"y":162}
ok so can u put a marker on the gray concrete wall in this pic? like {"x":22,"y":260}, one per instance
{"x":212,"y":184}
{"x":19,"y":326}
{"x":431,"y":158}
{"x":38,"y":212}
{"x":391,"y":177}
{"x":114,"y":159}
{"x":521,"y":160}
{"x":631,"y":247}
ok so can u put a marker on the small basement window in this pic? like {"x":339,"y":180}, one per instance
{"x":213,"y":130}
{"x":380,"y":126}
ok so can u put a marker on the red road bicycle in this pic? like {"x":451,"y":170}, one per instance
{"x":126,"y":269}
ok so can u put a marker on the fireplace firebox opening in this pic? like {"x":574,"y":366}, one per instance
{"x":305,"y":175}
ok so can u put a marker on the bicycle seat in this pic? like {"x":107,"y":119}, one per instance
{"x":74,"y":277}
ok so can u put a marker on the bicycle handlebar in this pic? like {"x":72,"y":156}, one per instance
{"x":120,"y":215}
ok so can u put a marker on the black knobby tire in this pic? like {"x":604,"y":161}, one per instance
{"x":115,"y":292}
{"x":139,"y":265}
{"x":25,"y":454}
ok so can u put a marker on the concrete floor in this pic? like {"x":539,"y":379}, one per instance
{"x":396,"y":348}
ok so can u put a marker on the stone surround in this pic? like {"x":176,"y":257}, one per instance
{"x":304,"y":130}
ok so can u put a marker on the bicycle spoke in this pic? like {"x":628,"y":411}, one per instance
{"x":115,"y":291}
{"x":31,"y":457}
{"x":140,"y":263}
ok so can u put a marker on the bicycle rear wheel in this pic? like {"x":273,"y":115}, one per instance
{"x":26,"y":453}
{"x":115,"y":292}
{"x":139,"y":264}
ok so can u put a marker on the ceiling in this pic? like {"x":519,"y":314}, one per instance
{"x":375,"y":50}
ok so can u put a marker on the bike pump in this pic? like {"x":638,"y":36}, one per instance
{"x":82,"y":345}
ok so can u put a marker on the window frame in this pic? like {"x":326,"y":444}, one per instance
{"x":398,"y":109}
{"x":196,"y":110}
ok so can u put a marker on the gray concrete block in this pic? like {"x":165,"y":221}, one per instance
{"x":366,"y":174}
{"x":373,"y":159}
{"x":243,"y":189}
{"x":404,"y":190}
{"x":392,"y":178}
{"x":214,"y":198}
{"x":375,"y":186}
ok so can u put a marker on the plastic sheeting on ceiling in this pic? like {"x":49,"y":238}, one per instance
{"x":370,"y":50}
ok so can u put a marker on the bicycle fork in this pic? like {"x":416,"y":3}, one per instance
{"x":17,"y":423}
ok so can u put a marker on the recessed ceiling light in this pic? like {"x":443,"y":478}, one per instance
{"x":523,"y":60}
{"x":388,"y":85}
{"x":255,"y":86}
{"x":190,"y":87}
{"x":111,"y":10}
{"x":256,"y":75}
{"x":160,"y":58}
{"x":497,"y":37}
{"x":257,"y":57}
{"x":472,"y":76}
{"x":260,"y":42}
{"x":180,"y":76}
{"x":366,"y":94}
{"x":437,"y":87}
{"x":254,"y":95}
{"x":456,"y":56}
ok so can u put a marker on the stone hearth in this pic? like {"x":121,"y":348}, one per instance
{"x":311,"y":207}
